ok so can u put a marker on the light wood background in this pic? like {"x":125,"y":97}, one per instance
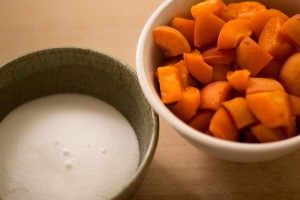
{"x":179,"y":171}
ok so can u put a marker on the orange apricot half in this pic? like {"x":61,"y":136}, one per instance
{"x":251,"y":56}
{"x":271,"y":108}
{"x":170,"y":41}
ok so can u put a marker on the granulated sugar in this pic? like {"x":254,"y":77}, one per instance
{"x":65,"y":147}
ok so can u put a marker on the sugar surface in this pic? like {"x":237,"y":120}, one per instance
{"x":65,"y":146}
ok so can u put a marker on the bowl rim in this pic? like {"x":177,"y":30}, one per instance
{"x":181,"y":127}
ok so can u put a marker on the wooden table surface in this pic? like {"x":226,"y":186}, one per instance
{"x":179,"y":171}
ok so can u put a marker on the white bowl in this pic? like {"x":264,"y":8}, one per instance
{"x":148,"y":57}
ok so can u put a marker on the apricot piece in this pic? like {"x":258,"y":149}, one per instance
{"x":222,"y":126}
{"x":233,"y":32}
{"x":220,"y":72}
{"x":272,"y":40}
{"x":201,"y":120}
{"x":272,"y":69}
{"x":170,"y":41}
{"x":295,"y":104}
{"x":239,"y":79}
{"x":266,"y":134}
{"x":239,"y":111}
{"x":216,"y":7}
{"x":198,"y":68}
{"x":166,"y":62}
{"x":251,"y":56}
{"x":272,"y":109}
{"x":259,"y":19}
{"x":170,"y":84}
{"x":256,"y":84}
{"x":216,"y":56}
{"x":186,"y":78}
{"x":214,"y":94}
{"x":185,"y":26}
{"x":290,"y":74}
{"x":207,"y":29}
{"x":244,"y":9}
{"x":291,"y":28}
{"x":187,"y":107}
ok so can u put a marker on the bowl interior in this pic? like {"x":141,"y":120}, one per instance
{"x":71,"y":70}
{"x":147,"y":60}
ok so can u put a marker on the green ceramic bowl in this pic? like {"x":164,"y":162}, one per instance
{"x":74,"y":70}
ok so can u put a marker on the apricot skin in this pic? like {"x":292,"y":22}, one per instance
{"x":257,"y":84}
{"x":251,"y":56}
{"x":290,"y":74}
{"x":207,"y":29}
{"x":272,"y":109}
{"x":201,"y":120}
{"x":266,"y":134}
{"x":214,"y":94}
{"x":171,"y":41}
{"x":222,"y":126}
{"x":239,"y":111}
{"x":291,"y":28}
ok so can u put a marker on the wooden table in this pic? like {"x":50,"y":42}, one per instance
{"x":179,"y":171}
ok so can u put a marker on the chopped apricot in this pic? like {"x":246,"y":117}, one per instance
{"x":225,"y":16}
{"x":256,"y":84}
{"x":239,"y":111}
{"x":214,"y":94}
{"x":233,"y":32}
{"x":207,"y":29}
{"x":239,"y":79}
{"x":222,"y":126}
{"x":290,"y":74}
{"x":185,"y":26}
{"x":216,"y":56}
{"x":271,"y":108}
{"x":231,"y":70}
{"x":244,"y":9}
{"x":170,"y":41}
{"x":259,"y":19}
{"x":272,"y":40}
{"x":291,"y":28}
{"x":267,"y":134}
{"x":201,"y":120}
{"x":170,"y":84}
{"x":220,"y":72}
{"x":198,"y":68}
{"x":251,"y":56}
{"x":186,"y":78}
{"x":216,"y":7}
{"x":187,"y":107}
